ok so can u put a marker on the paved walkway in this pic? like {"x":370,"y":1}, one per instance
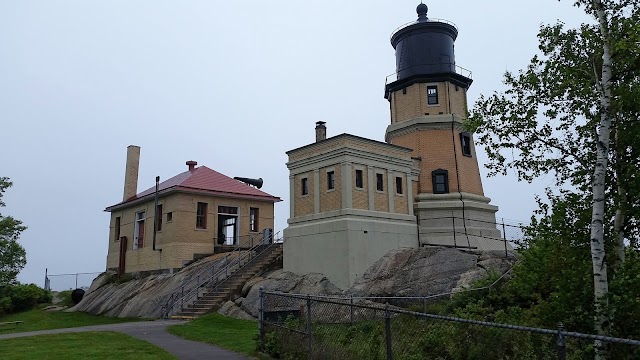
{"x":154,"y":332}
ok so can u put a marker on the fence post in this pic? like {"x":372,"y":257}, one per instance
{"x":76,"y":280}
{"x":261,"y":316}
{"x":309,"y":335}
{"x":387,"y":332}
{"x":504,"y":236}
{"x":351,"y":309}
{"x":561,"y":343}
{"x":46,"y":279}
{"x":424,"y":304}
{"x":182,"y":299}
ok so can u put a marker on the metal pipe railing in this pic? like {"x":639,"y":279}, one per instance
{"x":230,"y":267}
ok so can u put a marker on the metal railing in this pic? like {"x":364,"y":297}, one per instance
{"x":421,"y":22}
{"x":211,"y":278}
{"x":307,"y":326}
{"x":451,"y":67}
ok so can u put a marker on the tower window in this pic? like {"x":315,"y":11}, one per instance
{"x":465,"y":141}
{"x":331,"y":180}
{"x":379,"y":182}
{"x":398,"y":185}
{"x":305,"y":186}
{"x":432,"y":95}
{"x":440,"y":179}
{"x":359,"y":182}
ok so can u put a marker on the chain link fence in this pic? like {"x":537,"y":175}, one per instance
{"x":307,"y":327}
{"x":60,"y":282}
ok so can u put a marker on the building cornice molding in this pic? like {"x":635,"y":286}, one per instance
{"x":351,"y":156}
{"x":422,"y":123}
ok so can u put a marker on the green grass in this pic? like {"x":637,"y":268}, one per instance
{"x":229,"y":333}
{"x":37,"y":319}
{"x":86,"y":345}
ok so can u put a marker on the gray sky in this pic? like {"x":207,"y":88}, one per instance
{"x":232,"y":85}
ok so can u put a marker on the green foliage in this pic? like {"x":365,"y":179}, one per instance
{"x":12,"y":255}
{"x":21,"y":297}
{"x":64,"y":298}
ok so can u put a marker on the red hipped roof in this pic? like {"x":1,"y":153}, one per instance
{"x":203,"y":179}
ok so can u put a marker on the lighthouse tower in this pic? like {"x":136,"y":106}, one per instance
{"x":428,"y":101}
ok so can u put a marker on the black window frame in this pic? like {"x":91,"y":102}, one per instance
{"x":201,"y":215}
{"x":331,"y":180}
{"x":379,"y":182}
{"x":359,"y":179}
{"x":254,"y":214}
{"x":465,"y":144}
{"x":431,"y":97}
{"x":435,"y":177}
{"x":304,"y":184}
{"x":116,"y":229}
{"x":399,"y":187}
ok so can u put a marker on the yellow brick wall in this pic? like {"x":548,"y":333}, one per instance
{"x":436,"y":149}
{"x":330,"y":199}
{"x":179,"y":239}
{"x":303,"y":205}
{"x":400,"y":201}
{"x":381,"y":198}
{"x":414,"y":103}
{"x":360,"y":196}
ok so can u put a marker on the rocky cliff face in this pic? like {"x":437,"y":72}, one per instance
{"x":428,"y":271}
{"x":403,"y":272}
{"x":142,"y":297}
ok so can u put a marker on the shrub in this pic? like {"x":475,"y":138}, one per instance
{"x":21,"y":297}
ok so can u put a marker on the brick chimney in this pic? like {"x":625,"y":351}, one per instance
{"x":321,"y":131}
{"x":192,"y":165}
{"x":131,"y":172}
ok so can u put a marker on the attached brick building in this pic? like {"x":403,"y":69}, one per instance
{"x":198,"y":211}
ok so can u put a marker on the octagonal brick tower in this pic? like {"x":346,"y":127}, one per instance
{"x":428,"y":101}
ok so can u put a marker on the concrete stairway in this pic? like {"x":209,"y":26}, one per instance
{"x":212,"y":299}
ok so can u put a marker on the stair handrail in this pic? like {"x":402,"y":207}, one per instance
{"x":179,"y":297}
{"x":174,"y":296}
{"x":263,"y":249}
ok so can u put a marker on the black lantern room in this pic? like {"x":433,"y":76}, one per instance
{"x":425,"y":53}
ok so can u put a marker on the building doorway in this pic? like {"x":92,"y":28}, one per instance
{"x":228,"y":225}
{"x":138,"y":231}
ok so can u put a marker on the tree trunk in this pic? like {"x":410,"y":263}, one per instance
{"x":600,"y":281}
{"x":618,"y":223}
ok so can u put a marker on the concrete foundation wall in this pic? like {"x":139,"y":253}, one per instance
{"x":345,"y":244}
{"x":458,"y":220}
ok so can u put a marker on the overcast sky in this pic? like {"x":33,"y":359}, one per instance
{"x":230,"y":84}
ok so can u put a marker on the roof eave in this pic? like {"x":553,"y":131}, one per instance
{"x":186,"y":190}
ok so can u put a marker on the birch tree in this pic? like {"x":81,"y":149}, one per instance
{"x":558,"y":116}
